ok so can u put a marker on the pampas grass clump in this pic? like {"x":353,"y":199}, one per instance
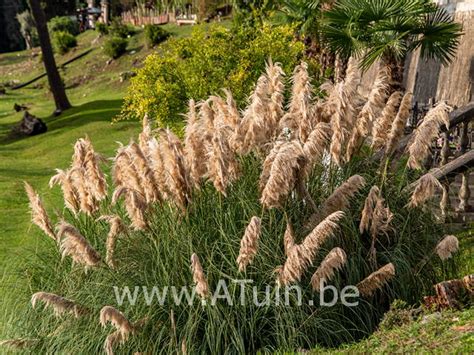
{"x":258,"y":200}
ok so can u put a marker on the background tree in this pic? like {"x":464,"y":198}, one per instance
{"x":55,"y":83}
{"x":388,"y":30}
{"x":307,"y":16}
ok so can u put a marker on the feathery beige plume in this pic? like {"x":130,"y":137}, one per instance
{"x":276,"y":90}
{"x":60,"y":305}
{"x":94,"y":176}
{"x":398,"y":126}
{"x":117,"y":227}
{"x":20,"y":343}
{"x":199,"y":278}
{"x":157,"y":166}
{"x":91,"y":185}
{"x":73,"y":244}
{"x":253,"y":132}
{"x":249,"y":243}
{"x":111,"y":315}
{"x":112,"y":341}
{"x":135,"y":204}
{"x":376,"y":280}
{"x":289,"y":238}
{"x":267,"y":164}
{"x":369,"y":207}
{"x":317,"y":142}
{"x":87,"y":203}
{"x":379,"y":217}
{"x":382,"y":124}
{"x":177,"y":178}
{"x":223,"y":166}
{"x":145,"y":135}
{"x":38,"y":212}
{"x":233,"y":115}
{"x":375,"y":214}
{"x":370,"y":110}
{"x":124,"y":172}
{"x":300,"y":256}
{"x":298,"y":116}
{"x":425,"y":189}
{"x":426,"y":133}
{"x":338,"y":200}
{"x":341,"y":111}
{"x":70,"y":194}
{"x":194,"y":145}
{"x":447,"y":246}
{"x":335,"y":259}
{"x":147,"y":180}
{"x":81,"y":147}
{"x":285,"y":168}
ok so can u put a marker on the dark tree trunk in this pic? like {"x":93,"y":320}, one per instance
{"x":55,"y":83}
{"x":396,"y":67}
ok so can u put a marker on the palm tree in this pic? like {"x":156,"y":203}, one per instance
{"x":388,"y":30}
{"x":55,"y":83}
{"x":306,"y":15}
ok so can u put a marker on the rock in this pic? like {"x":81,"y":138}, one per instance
{"x":30,"y":125}
{"x":126,"y":75}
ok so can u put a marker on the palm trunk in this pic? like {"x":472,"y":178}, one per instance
{"x":396,"y":67}
{"x":55,"y":83}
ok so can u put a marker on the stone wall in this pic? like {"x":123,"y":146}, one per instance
{"x":453,"y":83}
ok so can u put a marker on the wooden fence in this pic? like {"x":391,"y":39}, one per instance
{"x":140,"y":17}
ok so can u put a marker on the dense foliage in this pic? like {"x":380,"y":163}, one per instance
{"x":63,"y":41}
{"x":102,"y":28}
{"x":155,"y":34}
{"x":63,"y":24}
{"x":202,"y":64}
{"x":377,"y":29}
{"x":114,"y":46}
{"x":118,"y":29}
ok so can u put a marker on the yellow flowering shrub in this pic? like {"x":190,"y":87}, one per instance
{"x":204,"y":63}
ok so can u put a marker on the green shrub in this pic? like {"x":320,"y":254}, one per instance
{"x":399,"y":314}
{"x":155,"y":34}
{"x":114,"y":47}
{"x":102,"y":28}
{"x":63,"y":24}
{"x":202,"y":64}
{"x":119,"y":29}
{"x":63,"y":41}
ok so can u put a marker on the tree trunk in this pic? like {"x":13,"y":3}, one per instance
{"x":55,"y":83}
{"x":396,"y":67}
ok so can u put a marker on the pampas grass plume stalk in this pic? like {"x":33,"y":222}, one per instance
{"x":38,"y":212}
{"x":249,"y":243}
{"x":202,"y":287}
{"x":447,"y":246}
{"x":376,"y":280}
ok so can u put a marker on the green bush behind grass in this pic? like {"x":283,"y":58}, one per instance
{"x":204,"y":63}
{"x":114,"y":47}
{"x":63,"y":41}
